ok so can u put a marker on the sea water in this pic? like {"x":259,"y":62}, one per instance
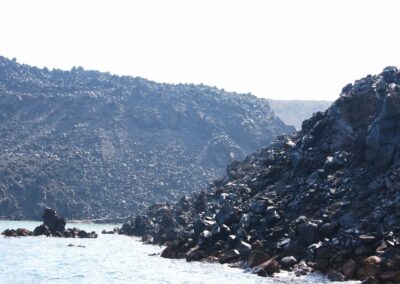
{"x":110,"y":259}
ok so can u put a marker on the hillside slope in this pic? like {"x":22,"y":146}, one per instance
{"x":326,"y":198}
{"x":95,"y":145}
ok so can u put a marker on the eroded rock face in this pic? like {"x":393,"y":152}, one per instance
{"x":108,"y":146}
{"x":326,"y":198}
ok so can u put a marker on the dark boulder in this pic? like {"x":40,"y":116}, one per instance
{"x":148,"y":239}
{"x":42,"y":230}
{"x":17,"y":233}
{"x":227,"y":215}
{"x":270,"y":266}
{"x":229,"y":256}
{"x":54,"y":222}
{"x":256,"y":257}
{"x":334,"y":275}
{"x":349,"y":268}
{"x":195,"y":254}
{"x":308,"y":232}
{"x":169,"y":252}
{"x":243,"y":248}
{"x":288,"y":262}
{"x":327,"y":230}
{"x":349,"y":220}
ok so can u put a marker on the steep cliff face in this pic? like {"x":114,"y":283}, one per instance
{"x":326,"y":198}
{"x":96,"y":145}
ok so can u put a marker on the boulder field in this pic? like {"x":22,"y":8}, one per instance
{"x":326,"y":198}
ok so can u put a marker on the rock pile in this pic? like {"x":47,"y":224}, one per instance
{"x":53,"y":226}
{"x":326,"y":198}
{"x":111,"y":145}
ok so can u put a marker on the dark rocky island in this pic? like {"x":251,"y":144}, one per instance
{"x":326,"y":198}
{"x":53,"y":226}
{"x":95,"y":145}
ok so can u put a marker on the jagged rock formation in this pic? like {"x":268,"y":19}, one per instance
{"x":293,"y":112}
{"x":326,"y":198}
{"x":53,"y":226}
{"x":95,"y":145}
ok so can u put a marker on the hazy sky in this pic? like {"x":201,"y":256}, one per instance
{"x":306,"y":49}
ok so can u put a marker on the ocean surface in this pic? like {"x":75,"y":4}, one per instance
{"x":110,"y":259}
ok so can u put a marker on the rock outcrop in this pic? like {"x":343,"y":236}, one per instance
{"x":326,"y":198}
{"x":53,"y":226}
{"x":95,"y":145}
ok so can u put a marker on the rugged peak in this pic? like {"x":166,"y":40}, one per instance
{"x":365,"y":121}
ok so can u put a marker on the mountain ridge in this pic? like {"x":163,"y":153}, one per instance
{"x":96,"y":145}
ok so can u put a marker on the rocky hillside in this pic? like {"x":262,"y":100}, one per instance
{"x":294,"y":112}
{"x":96,"y":145}
{"x":326,"y":198}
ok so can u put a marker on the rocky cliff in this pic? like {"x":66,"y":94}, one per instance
{"x":96,"y":145}
{"x":326,"y":198}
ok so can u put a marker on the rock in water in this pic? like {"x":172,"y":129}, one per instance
{"x":53,"y":226}
{"x":54,"y":222}
{"x":42,"y":230}
{"x":327,"y":197}
{"x":17,"y":233}
{"x":95,"y":145}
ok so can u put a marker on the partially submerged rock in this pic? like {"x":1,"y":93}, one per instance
{"x":53,"y":226}
{"x":17,"y":233}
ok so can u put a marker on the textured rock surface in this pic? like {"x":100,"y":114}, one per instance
{"x":95,"y":145}
{"x":327,"y":197}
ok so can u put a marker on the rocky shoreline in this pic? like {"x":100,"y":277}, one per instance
{"x":53,"y":226}
{"x":326,"y":198}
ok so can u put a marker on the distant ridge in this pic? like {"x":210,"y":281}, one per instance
{"x":293,"y":112}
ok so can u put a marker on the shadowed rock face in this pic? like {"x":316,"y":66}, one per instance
{"x":95,"y":145}
{"x":327,"y":197}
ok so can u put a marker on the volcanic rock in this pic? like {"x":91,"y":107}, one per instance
{"x":42,"y":230}
{"x":229,"y":256}
{"x":257,"y":257}
{"x":53,"y":226}
{"x":327,"y":196}
{"x":17,"y":233}
{"x":96,"y":145}
{"x":287,"y":262}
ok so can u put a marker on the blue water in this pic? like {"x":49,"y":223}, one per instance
{"x":109,"y":259}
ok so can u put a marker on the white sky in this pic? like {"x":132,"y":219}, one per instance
{"x":306,"y":49}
